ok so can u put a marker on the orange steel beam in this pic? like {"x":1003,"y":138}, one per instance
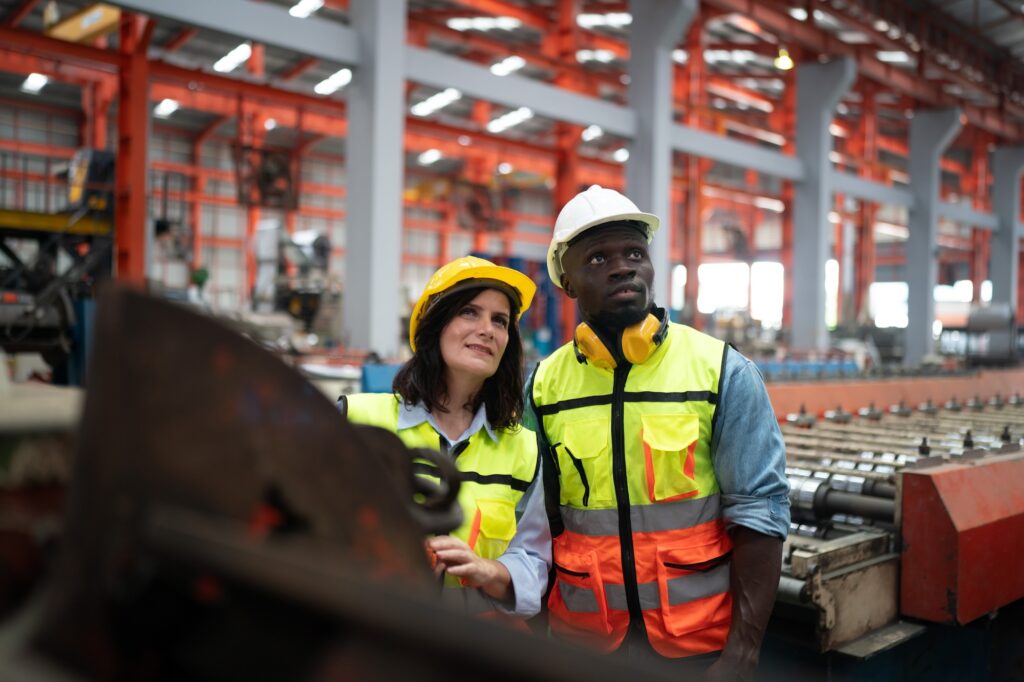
{"x":133,"y":117}
{"x":180,"y":39}
{"x":297,"y":69}
{"x":37,"y":43}
{"x":507,"y":9}
{"x":19,"y":13}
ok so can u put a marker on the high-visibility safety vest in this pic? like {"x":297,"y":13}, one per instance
{"x":643,"y":539}
{"x":494,"y":476}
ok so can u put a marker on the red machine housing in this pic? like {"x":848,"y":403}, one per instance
{"x":963,"y":538}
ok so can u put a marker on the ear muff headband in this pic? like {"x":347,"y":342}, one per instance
{"x":639,"y":342}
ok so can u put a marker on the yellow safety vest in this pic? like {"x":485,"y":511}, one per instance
{"x":643,"y":539}
{"x":494,"y":476}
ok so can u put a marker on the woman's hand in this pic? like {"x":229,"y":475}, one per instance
{"x":456,"y":557}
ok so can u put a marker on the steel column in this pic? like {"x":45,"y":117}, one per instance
{"x":1007,"y":164}
{"x":818,"y":89}
{"x":657,"y":28}
{"x":374,"y":176}
{"x":930,"y":134}
{"x":132,"y":234}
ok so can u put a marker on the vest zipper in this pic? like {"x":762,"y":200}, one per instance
{"x":636,"y":618}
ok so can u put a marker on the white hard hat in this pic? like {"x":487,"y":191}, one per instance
{"x":590,"y":208}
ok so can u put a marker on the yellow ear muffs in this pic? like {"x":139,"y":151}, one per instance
{"x":590,"y":348}
{"x":638,"y":342}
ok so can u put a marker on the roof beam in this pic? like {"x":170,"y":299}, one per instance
{"x":180,"y":39}
{"x":441,"y":71}
{"x":259,"y":22}
{"x":744,"y":154}
{"x":19,"y":13}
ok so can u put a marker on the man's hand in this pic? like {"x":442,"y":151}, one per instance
{"x":754,"y":581}
{"x":456,"y":557}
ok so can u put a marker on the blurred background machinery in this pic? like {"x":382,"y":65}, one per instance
{"x":52,"y":263}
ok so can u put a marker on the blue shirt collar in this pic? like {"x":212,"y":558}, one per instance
{"x":414,"y":415}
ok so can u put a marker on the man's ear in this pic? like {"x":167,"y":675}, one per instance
{"x":567,"y":287}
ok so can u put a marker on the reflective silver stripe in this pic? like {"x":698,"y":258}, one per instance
{"x":594,"y":522}
{"x":648,"y":518}
{"x":466,"y":600}
{"x":698,"y":585}
{"x":616,"y":596}
{"x":683,"y":589}
{"x":578,"y":599}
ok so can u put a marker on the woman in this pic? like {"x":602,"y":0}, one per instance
{"x":462,"y":393}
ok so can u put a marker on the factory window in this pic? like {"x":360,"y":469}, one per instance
{"x":767,"y":282}
{"x":678,"y":298}
{"x":888,"y":303}
{"x":831,"y":293}
{"x":722,"y":286}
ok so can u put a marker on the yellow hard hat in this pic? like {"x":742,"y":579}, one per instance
{"x":472,"y":271}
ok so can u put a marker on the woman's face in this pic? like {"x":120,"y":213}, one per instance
{"x":473,"y":341}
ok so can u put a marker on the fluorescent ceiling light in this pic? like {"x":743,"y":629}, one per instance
{"x":508,"y":65}
{"x":428,"y":157}
{"x":854,"y":37}
{"x":484,"y":23}
{"x":603,"y":56}
{"x":303,"y":8}
{"x":436,"y":102}
{"x":798,"y":13}
{"x":510,"y":119}
{"x":165,"y":108}
{"x":612,"y":20}
{"x":504,"y":168}
{"x":334,"y":82}
{"x":621,"y":155}
{"x":232,"y":60}
{"x":591,"y":132}
{"x":270,"y":124}
{"x":34,"y":83}
{"x":893,"y":56}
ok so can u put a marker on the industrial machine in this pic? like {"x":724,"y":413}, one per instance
{"x":907,"y":524}
{"x":226,"y":523}
{"x":291,"y":272}
{"x":50,"y":264}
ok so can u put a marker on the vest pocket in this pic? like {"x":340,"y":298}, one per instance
{"x":670,"y":444}
{"x":577,"y":600}
{"x":584,"y":463}
{"x":493,"y":527}
{"x":693,"y":584}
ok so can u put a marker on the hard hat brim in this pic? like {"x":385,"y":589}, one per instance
{"x":554,"y":262}
{"x":496,"y":277}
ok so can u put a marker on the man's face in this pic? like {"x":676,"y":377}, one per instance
{"x":608,"y":271}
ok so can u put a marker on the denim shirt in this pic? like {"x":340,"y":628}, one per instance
{"x":747,"y":450}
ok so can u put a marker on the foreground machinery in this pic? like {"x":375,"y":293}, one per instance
{"x":225,"y":523}
{"x":908,"y":528}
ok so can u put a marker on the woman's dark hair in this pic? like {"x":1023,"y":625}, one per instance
{"x":422,"y":378}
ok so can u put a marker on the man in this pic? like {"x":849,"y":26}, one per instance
{"x":664,"y":464}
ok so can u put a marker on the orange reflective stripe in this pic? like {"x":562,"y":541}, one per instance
{"x":691,"y":461}
{"x":474,"y":531}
